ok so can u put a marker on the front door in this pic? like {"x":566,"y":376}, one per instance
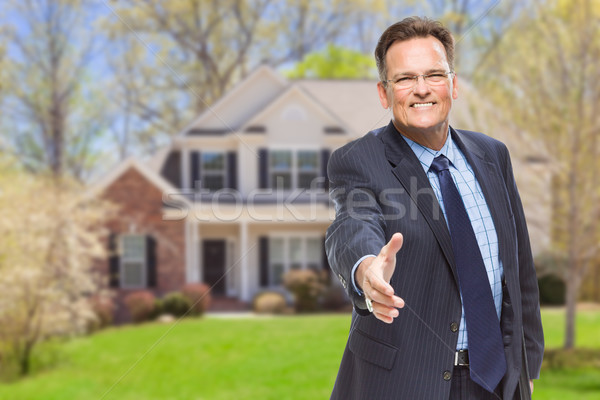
{"x":213,"y":260}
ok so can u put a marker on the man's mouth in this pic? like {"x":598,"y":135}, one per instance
{"x":420,"y":105}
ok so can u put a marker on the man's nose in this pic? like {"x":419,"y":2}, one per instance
{"x":421,"y":86}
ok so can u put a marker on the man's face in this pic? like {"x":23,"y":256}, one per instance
{"x":420,"y":112}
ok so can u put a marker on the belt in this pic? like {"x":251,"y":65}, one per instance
{"x":461,"y":358}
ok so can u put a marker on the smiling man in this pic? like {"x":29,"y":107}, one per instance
{"x":430,"y":242}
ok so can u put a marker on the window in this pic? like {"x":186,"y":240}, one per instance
{"x":281,"y":169}
{"x":277,"y":260}
{"x":314,"y":253}
{"x":293,"y":170}
{"x":293,"y":252}
{"x":212,"y":171}
{"x":133,"y":261}
{"x":308,"y":168}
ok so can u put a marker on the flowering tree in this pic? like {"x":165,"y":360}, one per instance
{"x":51,"y":234}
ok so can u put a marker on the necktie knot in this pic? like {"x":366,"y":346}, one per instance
{"x":439,"y":164}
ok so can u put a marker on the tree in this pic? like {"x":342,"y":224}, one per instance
{"x":51,"y":235}
{"x":53,"y":113}
{"x":172,"y":60}
{"x":544,"y":75}
{"x":335,"y":62}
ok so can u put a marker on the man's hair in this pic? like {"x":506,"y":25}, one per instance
{"x":410,"y":28}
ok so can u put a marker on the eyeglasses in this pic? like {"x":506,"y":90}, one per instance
{"x":408,"y":82}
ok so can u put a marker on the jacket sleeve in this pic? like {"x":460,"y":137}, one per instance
{"x":532,"y":322}
{"x":359,"y":226}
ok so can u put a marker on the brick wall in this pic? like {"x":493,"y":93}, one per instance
{"x":140,"y":212}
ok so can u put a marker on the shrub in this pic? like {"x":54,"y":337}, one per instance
{"x":103,"y":308}
{"x":571,"y":358}
{"x":199,"y":297}
{"x":269,"y":303}
{"x":552,"y":290}
{"x":175,"y":303}
{"x":335,"y":299}
{"x":141,"y":305}
{"x":307,"y":286}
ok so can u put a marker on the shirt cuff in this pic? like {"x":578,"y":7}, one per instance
{"x":356,"y":289}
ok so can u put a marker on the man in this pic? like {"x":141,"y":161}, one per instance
{"x":430,"y":242}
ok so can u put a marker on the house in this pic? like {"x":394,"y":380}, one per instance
{"x":241,"y":195}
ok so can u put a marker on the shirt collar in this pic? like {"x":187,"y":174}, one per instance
{"x":426,"y":155}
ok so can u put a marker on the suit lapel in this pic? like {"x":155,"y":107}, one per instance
{"x":492,"y":186}
{"x":408,"y":170}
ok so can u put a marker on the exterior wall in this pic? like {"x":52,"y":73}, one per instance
{"x":140,"y":212}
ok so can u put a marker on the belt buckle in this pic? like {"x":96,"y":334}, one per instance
{"x":463,"y":362}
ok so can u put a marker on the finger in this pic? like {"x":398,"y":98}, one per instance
{"x":385,"y":299}
{"x":383,"y":318}
{"x":393,"y":246}
{"x":396,"y":242}
{"x":377,"y":283}
{"x":385,"y":310}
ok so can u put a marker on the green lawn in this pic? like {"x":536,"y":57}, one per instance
{"x":259,"y":358}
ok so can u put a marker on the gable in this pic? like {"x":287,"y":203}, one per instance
{"x":356,"y":102}
{"x":239,"y":104}
{"x":295,"y":118}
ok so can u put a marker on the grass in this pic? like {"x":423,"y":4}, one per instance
{"x":210,"y":358}
{"x":261,"y":358}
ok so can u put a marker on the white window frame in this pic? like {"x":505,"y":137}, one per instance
{"x":287,"y":237}
{"x":294,"y":169}
{"x":204,"y":172}
{"x":123,"y":259}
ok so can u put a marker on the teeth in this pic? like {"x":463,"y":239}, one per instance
{"x":417,"y":105}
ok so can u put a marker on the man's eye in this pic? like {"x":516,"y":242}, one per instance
{"x":405,"y":79}
{"x":436,"y":76}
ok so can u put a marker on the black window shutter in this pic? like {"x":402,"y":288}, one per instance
{"x":232,"y":170}
{"x":324,"y":160}
{"x":195,"y":169}
{"x":113,"y":261}
{"x":151,"y":261}
{"x":263,"y":168}
{"x":263,"y":242}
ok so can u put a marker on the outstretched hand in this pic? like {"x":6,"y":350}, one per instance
{"x":373,"y":276}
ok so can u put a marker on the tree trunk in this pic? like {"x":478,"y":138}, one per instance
{"x":25,"y":360}
{"x":571,"y":300}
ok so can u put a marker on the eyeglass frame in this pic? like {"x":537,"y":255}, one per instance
{"x":415,"y":79}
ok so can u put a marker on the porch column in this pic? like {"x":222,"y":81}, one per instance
{"x":187,"y":227}
{"x":192,"y":257}
{"x":245,"y":275}
{"x":185,"y":169}
{"x":198,"y":267}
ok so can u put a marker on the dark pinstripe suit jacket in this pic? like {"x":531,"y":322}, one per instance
{"x":379,"y":188}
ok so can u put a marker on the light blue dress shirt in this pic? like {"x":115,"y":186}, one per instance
{"x":477,"y":210}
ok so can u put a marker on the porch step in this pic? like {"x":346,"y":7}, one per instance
{"x":224,"y":303}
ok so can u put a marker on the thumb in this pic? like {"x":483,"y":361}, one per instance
{"x":395,"y":244}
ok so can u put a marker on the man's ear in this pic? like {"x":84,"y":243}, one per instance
{"x":383,"y":95}
{"x":454,"y":87}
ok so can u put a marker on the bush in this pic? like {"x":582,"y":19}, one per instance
{"x":175,"y":303}
{"x":199,"y":297}
{"x":571,"y":358}
{"x":141,"y":305}
{"x":335,"y":299}
{"x":307,"y":286}
{"x":269,"y":303}
{"x":552,"y":290}
{"x":104,"y":308}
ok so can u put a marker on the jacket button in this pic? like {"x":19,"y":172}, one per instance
{"x":447,"y":375}
{"x":454,"y":327}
